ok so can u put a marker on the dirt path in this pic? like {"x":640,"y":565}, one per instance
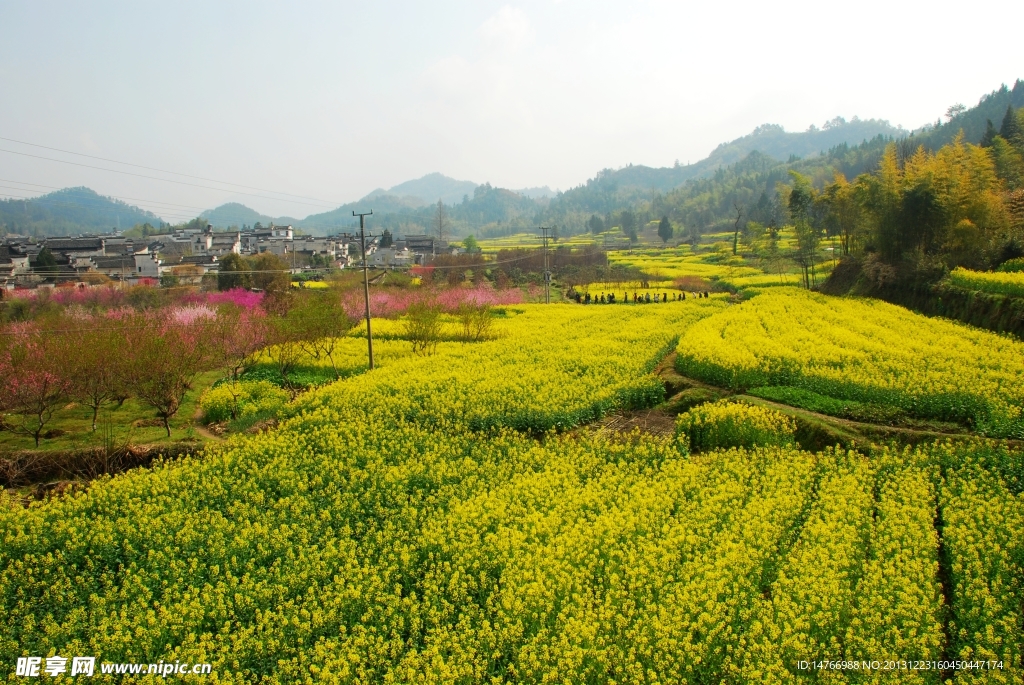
{"x":200,"y":429}
{"x":814,"y":431}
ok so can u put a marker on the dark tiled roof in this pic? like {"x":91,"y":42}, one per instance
{"x":115,"y":262}
{"x":199,"y":259}
{"x":74,"y":243}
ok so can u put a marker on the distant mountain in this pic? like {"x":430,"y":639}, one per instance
{"x":769,"y":144}
{"x":776,"y":142}
{"x":236,"y":214}
{"x":383,"y":203}
{"x":538,"y":193}
{"x":991,"y":107}
{"x":770,"y":139}
{"x":431,"y":188}
{"x":69,"y":212}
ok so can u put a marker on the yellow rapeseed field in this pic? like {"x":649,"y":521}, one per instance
{"x":431,"y":522}
{"x":864,"y":350}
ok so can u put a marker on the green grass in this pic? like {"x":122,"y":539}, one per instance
{"x":75,"y":420}
{"x":820,"y":404}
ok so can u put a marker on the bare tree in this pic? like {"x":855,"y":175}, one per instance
{"x":736,"y":228}
{"x":441,"y":223}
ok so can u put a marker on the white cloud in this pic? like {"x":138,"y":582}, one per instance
{"x":506,"y":31}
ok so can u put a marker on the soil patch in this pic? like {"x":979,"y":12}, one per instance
{"x":656,"y":421}
{"x":55,"y":472}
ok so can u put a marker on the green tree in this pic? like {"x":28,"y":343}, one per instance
{"x":990,"y":133}
{"x":595,"y":224}
{"x":736,"y":226}
{"x":470,"y":244}
{"x":802,"y":200}
{"x":317,"y":323}
{"x":1009,"y":162}
{"x":842,"y":211}
{"x":270,"y":273}
{"x":1010,"y":128}
{"x":627,"y":222}
{"x":233,"y":273}
{"x":423,"y":327}
{"x":664,"y":229}
{"x":46,"y":263}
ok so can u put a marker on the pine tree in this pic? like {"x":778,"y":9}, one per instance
{"x":990,"y":134}
{"x":664,"y":229}
{"x":1011,"y":127}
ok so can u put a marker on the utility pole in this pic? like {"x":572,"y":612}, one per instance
{"x":547,"y":271}
{"x":366,"y":280}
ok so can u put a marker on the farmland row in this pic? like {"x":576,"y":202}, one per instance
{"x":865,"y":351}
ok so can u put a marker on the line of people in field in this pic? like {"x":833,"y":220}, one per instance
{"x":638,"y":298}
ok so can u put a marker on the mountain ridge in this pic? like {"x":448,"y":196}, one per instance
{"x":74,"y":210}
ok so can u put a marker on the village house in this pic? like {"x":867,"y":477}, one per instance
{"x":389,"y":257}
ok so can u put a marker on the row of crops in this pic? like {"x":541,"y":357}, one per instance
{"x":384,"y":553}
{"x":409,"y":525}
{"x":1009,"y":283}
{"x":548,"y":368}
{"x":865,"y":351}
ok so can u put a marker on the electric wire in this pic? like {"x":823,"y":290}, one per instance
{"x":169,"y":180}
{"x":166,"y":171}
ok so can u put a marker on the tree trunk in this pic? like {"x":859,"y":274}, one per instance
{"x":167,"y":425}
{"x":39,"y":428}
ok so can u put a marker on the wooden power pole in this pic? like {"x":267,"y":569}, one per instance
{"x":366,"y":281}
{"x":547,"y":270}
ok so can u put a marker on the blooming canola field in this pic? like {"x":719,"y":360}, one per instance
{"x":863,"y":350}
{"x":436,"y":520}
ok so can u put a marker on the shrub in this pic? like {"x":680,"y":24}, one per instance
{"x":1012,"y":265}
{"x":423,"y":328}
{"x":477,"y":322}
{"x":241,"y":399}
{"x":731,"y":424}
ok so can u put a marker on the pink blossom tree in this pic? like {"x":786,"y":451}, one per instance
{"x":34,"y":366}
{"x":95,"y":368}
{"x":164,"y":358}
{"x":242,"y":335}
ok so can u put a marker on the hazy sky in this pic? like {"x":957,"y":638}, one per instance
{"x":333,"y":99}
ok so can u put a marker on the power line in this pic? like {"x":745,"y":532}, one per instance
{"x":437,"y":267}
{"x":168,"y":180}
{"x":69,"y":202}
{"x":165,"y":171}
{"x":113,"y":197}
